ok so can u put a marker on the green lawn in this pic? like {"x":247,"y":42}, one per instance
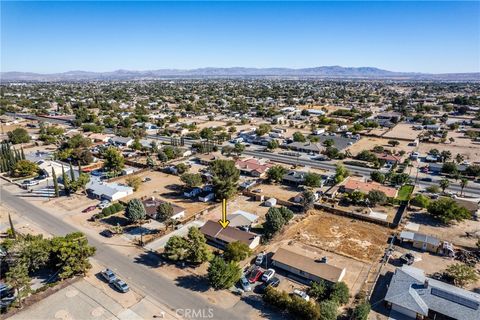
{"x":404,"y":192}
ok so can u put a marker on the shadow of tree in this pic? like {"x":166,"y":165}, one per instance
{"x":425,"y":219}
{"x":149,"y":259}
{"x":255,"y":301}
{"x":193,"y":282}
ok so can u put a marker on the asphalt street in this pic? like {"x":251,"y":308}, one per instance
{"x":140,"y":275}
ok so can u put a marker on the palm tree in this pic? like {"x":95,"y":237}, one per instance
{"x":444,"y":183}
{"x":463,"y":184}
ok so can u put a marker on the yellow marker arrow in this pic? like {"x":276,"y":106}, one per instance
{"x":224,"y":222}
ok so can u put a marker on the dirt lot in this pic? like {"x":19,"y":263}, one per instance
{"x":402,"y":131}
{"x":352,"y":238}
{"x":239,"y":203}
{"x":21,"y":225}
{"x":278,"y":191}
{"x":167,"y":187}
{"x":455,"y":233}
{"x":367,"y":143}
{"x":461,"y":145}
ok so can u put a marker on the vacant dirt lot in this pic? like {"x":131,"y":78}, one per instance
{"x":367,"y":143}
{"x":239,"y":203}
{"x":402,"y":131}
{"x":352,"y":238}
{"x":278,"y":191}
{"x":461,"y":145}
{"x":167,"y":187}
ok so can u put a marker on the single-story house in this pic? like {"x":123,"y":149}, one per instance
{"x":107,"y":191}
{"x":253,"y":167}
{"x":307,"y":147}
{"x":294,"y":177}
{"x":388,"y":158}
{"x":100,"y":137}
{"x":365,"y":187}
{"x":415,"y":296}
{"x":213,"y":231}
{"x":121,"y":141}
{"x":241,"y":218}
{"x":437,"y":167}
{"x":421,"y":241}
{"x":306,"y":268}
{"x":151,"y":204}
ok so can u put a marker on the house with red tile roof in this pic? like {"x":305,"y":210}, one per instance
{"x":253,"y":167}
{"x":352,"y":184}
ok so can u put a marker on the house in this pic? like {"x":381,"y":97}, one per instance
{"x":294,"y":177}
{"x":253,"y":167}
{"x":107,"y":191}
{"x":365,"y":187}
{"x":388,"y":158}
{"x":315,"y":112}
{"x":471,"y":205}
{"x":121,"y":141}
{"x":214,"y":233}
{"x":437,"y":167}
{"x":241,"y":218}
{"x":415,"y":296}
{"x":100,"y":137}
{"x":151,"y":204}
{"x":427,"y":243}
{"x":393,"y":117}
{"x":307,"y":147}
{"x":305,"y":268}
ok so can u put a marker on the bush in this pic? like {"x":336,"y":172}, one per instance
{"x":361,"y":311}
{"x":340,"y":293}
{"x":447,"y":210}
{"x":112,"y":209}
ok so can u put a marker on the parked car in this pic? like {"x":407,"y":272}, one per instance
{"x":267,"y":275}
{"x":146,"y":179}
{"x":104,"y":204}
{"x":245,"y":284}
{"x":255,"y":275}
{"x":301,"y":294}
{"x":259,"y":259}
{"x":428,"y":179}
{"x":88,"y":209}
{"x":274,"y":282}
{"x":29,"y":183}
{"x":407,"y":258}
{"x":108,"y":275}
{"x":107,"y":233}
{"x":121,"y":285}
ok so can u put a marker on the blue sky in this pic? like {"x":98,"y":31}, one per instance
{"x":425,"y":36}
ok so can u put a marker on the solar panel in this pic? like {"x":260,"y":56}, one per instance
{"x":472,"y":304}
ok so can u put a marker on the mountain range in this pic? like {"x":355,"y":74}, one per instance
{"x":325,"y":72}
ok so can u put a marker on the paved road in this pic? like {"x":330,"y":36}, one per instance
{"x":142,"y":278}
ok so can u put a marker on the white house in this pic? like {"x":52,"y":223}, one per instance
{"x":107,"y":191}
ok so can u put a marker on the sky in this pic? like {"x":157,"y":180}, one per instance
{"x":427,"y":36}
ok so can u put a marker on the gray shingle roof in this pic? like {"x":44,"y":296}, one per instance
{"x":411,"y":289}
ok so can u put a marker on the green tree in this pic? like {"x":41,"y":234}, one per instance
{"x":207,"y":133}
{"x":298,"y":137}
{"x":313,"y":180}
{"x":463,"y":184}
{"x":393,"y":143}
{"x":164,"y":211}
{"x":447,"y":210}
{"x":198,"y":250}
{"x":318,"y":290}
{"x":162,"y":157}
{"x":461,"y":274}
{"x":340,"y":293}
{"x":239,"y":148}
{"x":361,"y":311}
{"x":356,"y":197}
{"x":273,"y":144}
{"x":114,"y":160}
{"x":308,"y":200}
{"x":176,"y":248}
{"x":420,"y":201}
{"x":433,"y":189}
{"x":135,"y":211}
{"x":276,"y":298}
{"x":328,"y":310}
{"x":25,"y":168}
{"x":31,"y":250}
{"x":444,"y":183}
{"x":222,"y":274}
{"x":376,"y":197}
{"x":134,"y":182}
{"x":18,"y":135}
{"x":191,"y":180}
{"x":55,"y":184}
{"x":305,"y":310}
{"x":377,"y":176}
{"x":17,"y":278}
{"x":71,"y":254}
{"x":449,"y":168}
{"x":263,"y":129}
{"x":225,"y":178}
{"x":182,"y":168}
{"x":274,"y":222}
{"x":340,"y":173}
{"x":237,"y":251}
{"x":276,"y":173}
{"x":286,"y":213}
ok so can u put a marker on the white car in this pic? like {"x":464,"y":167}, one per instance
{"x":301,"y":294}
{"x":103,"y":204}
{"x":29,"y":183}
{"x":267,"y":275}
{"x":259,"y":259}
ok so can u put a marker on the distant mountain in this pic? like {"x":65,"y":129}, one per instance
{"x":326,"y":72}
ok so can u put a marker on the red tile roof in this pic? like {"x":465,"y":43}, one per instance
{"x":365,"y":187}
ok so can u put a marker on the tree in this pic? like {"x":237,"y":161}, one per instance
{"x":328,"y":310}
{"x":376,"y":197}
{"x":329,"y":143}
{"x":17,"y":277}
{"x":313,"y":180}
{"x":207,"y":133}
{"x":461,"y":274}
{"x":276,"y":173}
{"x":473,"y":170}
{"x":356,"y":197}
{"x":298,"y":137}
{"x":114,"y":160}
{"x":449,"y":168}
{"x":433,"y":189}
{"x":176,"y":248}
{"x":239,"y":148}
{"x":446,"y":155}
{"x":162,"y":157}
{"x":463,"y":184}
{"x":263,"y":129}
{"x":33,"y":251}
{"x":377,"y":176}
{"x":274,"y":222}
{"x":237,"y":251}
{"x":225,"y":178}
{"x":134,"y":182}
{"x":191,"y":180}
{"x":318,"y":290}
{"x":276,"y":298}
{"x":164,"y":211}
{"x":393,"y":143}
{"x":447,"y":210}
{"x":273,"y":144}
{"x":286,"y":213}
{"x":150,"y":162}
{"x":18,"y":135}
{"x":182,"y":168}
{"x":222,"y":274}
{"x":305,"y":310}
{"x":399,"y":179}
{"x":340,"y":173}
{"x":25,"y":168}
{"x":444,"y":183}
{"x":361,"y":311}
{"x":340,"y":293}
{"x":420,"y":201}
{"x":192,"y":248}
{"x":71,"y":254}
{"x":135,"y":211}
{"x":308,"y":200}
